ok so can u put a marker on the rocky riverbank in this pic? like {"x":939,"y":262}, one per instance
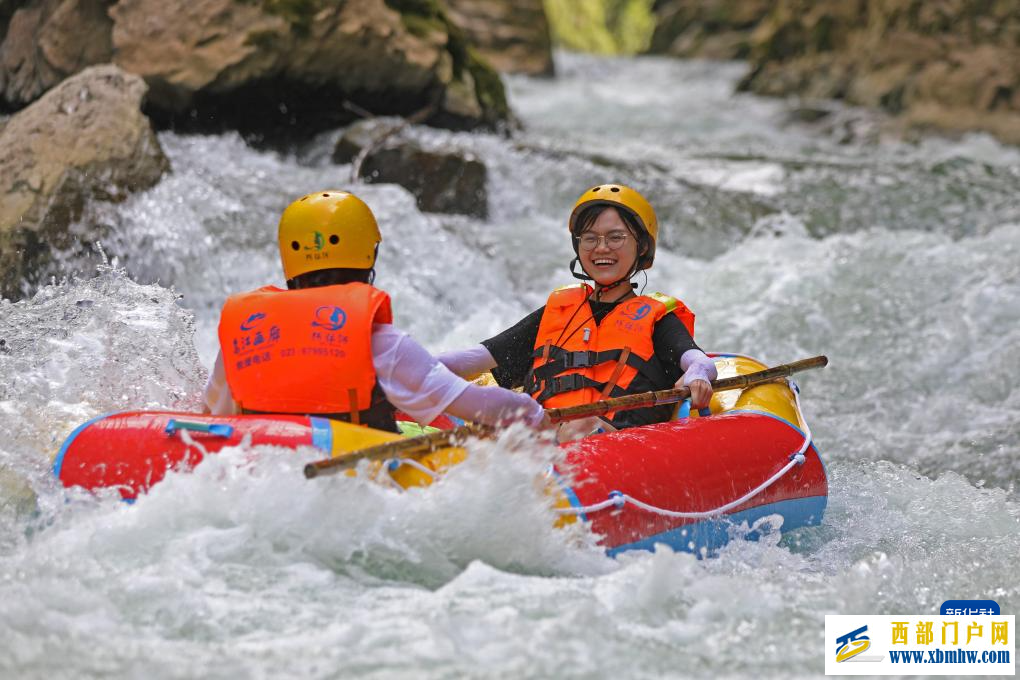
{"x":940,"y":64}
{"x":281,"y":70}
{"x":88,"y":80}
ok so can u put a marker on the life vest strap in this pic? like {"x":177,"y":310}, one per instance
{"x":572,"y":382}
{"x":352,"y":397}
{"x":617,"y":372}
{"x":563,"y":360}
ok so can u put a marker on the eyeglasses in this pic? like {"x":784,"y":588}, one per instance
{"x":614,"y":240}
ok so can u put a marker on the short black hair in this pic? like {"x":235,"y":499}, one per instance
{"x":330,"y":277}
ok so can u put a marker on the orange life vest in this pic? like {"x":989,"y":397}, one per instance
{"x":577,"y":361}
{"x":303,"y":351}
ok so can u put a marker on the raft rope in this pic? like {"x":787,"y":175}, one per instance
{"x":618,"y":499}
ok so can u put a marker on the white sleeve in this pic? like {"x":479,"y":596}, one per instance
{"x":696,"y":365}
{"x":496,"y":406}
{"x":418,"y":384}
{"x":217,"y":392}
{"x":413,"y":380}
{"x":468,"y":362}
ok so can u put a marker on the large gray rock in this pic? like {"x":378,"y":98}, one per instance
{"x":85,"y":139}
{"x":260,"y":65}
{"x":512,"y":36}
{"x":441,"y":181}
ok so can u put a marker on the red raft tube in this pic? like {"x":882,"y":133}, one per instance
{"x":692,"y":483}
{"x":134,"y":450}
{"x":697,"y":481}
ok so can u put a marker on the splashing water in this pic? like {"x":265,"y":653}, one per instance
{"x":898,"y":260}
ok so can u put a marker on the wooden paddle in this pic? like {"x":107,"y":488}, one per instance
{"x":430,"y":442}
{"x":645,"y":399}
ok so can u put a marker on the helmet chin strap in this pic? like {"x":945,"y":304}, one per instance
{"x":600,"y":289}
{"x":583,"y":275}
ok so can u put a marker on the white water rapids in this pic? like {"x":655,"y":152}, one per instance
{"x":899,"y":260}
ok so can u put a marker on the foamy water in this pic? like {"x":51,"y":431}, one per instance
{"x":899,"y":261}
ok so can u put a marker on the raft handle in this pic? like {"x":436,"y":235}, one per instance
{"x":215,"y":429}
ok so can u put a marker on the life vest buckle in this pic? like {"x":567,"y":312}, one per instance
{"x":580,"y":359}
{"x":567,"y":383}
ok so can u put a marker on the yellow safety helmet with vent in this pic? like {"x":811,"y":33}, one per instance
{"x":625,"y":198}
{"x":327,"y":230}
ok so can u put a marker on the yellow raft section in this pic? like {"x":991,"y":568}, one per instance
{"x":774,"y":399}
{"x":348,"y":438}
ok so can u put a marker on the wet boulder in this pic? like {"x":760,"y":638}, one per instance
{"x":268,"y":68}
{"x":443,"y":181}
{"x":84,"y":140}
{"x":512,"y":36}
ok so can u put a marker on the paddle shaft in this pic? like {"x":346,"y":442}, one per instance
{"x":437,"y":440}
{"x":425,"y":443}
{"x":646,"y":399}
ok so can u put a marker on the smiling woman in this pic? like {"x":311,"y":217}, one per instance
{"x":593,"y":342}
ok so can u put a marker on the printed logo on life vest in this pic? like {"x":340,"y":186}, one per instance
{"x":853,"y":643}
{"x":252,"y":322}
{"x":637,"y":310}
{"x":329,"y":317}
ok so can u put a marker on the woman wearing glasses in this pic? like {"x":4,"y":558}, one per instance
{"x":600,"y":340}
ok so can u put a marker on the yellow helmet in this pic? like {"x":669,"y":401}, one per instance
{"x":620,"y":196}
{"x":326,"y":230}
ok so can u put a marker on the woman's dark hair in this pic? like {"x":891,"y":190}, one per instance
{"x":330,"y":277}
{"x":587,"y":217}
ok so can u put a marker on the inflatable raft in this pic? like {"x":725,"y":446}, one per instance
{"x":693,"y":483}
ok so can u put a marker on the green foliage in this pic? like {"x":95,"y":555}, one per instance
{"x":601,"y":26}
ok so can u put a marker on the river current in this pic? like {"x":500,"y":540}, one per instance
{"x":899,"y":259}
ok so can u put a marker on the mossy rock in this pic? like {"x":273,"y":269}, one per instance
{"x":422,"y":17}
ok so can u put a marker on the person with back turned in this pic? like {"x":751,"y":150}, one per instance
{"x":326,"y":345}
{"x":600,"y":341}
